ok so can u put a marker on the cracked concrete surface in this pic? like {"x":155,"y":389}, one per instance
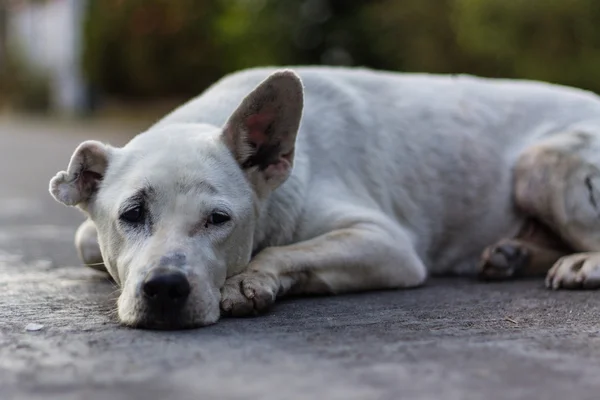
{"x":454,"y":339}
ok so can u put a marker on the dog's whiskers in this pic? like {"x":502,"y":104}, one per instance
{"x":113,"y":313}
{"x":113,"y":284}
{"x":94,"y":264}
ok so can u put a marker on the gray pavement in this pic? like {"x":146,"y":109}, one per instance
{"x":454,"y":339}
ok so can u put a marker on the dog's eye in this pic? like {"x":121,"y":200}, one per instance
{"x":133,"y":215}
{"x":217,"y":218}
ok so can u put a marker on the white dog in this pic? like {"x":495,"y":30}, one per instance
{"x":330,"y":180}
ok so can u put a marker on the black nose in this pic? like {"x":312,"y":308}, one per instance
{"x":166,"y":287}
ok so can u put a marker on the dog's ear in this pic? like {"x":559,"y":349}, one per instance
{"x":86,"y":169}
{"x":261,"y":133}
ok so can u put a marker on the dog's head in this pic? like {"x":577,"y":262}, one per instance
{"x":176,"y":207}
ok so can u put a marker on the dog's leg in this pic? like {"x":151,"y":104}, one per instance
{"x":88,"y":249}
{"x":558,"y":182}
{"x":357,"y":258}
{"x":531,"y":253}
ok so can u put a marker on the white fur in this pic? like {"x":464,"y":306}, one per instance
{"x":394,"y":176}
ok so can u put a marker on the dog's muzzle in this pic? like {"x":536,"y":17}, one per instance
{"x":169,"y":298}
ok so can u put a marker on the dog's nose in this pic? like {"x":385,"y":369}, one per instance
{"x":166,"y":287}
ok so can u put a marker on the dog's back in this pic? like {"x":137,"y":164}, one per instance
{"x":433,"y":152}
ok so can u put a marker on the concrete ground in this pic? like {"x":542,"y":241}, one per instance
{"x":454,"y":339}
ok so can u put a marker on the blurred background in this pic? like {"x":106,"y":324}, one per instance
{"x":88,"y":57}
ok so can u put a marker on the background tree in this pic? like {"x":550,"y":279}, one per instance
{"x":178,"y":47}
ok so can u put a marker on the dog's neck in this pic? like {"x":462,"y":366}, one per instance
{"x":279,"y":215}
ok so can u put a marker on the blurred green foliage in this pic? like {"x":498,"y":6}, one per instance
{"x":23,"y":86}
{"x":151,"y":47}
{"x":178,"y":47}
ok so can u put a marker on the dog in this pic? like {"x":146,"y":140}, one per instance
{"x":325,"y":180}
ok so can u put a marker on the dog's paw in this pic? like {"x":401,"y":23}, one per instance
{"x":88,"y":249}
{"x":502,"y":261}
{"x":577,"y":271}
{"x":249,"y":293}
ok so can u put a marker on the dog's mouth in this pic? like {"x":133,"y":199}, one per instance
{"x":166,"y":324}
{"x":168,"y":320}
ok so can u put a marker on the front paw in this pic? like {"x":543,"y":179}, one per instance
{"x":248,"y":293}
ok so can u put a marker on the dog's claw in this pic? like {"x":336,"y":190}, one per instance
{"x":248,"y":292}
{"x":226,"y":306}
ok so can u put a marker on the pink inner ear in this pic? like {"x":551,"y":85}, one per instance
{"x":257,"y":125}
